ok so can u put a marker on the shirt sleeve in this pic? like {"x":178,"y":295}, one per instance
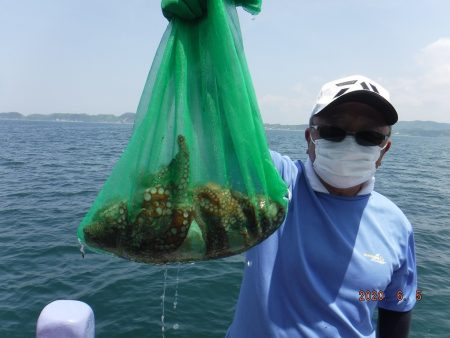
{"x":401,"y":293}
{"x":286,"y":168}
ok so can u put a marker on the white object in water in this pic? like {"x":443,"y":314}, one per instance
{"x":66,"y":318}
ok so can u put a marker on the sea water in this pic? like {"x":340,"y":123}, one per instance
{"x":51,"y":172}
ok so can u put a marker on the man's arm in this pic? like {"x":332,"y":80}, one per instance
{"x":393,"y":324}
{"x":285,"y":167}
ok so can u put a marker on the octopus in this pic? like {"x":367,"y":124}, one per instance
{"x":110,"y":226}
{"x":162,"y":221}
{"x":263,"y":216}
{"x":217,"y":214}
{"x":232,"y":222}
{"x":166,"y":206}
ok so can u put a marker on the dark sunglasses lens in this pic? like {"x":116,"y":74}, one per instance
{"x":369,"y":138}
{"x":332,"y":133}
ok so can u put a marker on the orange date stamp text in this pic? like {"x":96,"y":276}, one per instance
{"x":378,"y":296}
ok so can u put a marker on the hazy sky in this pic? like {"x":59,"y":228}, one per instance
{"x":93,"y":56}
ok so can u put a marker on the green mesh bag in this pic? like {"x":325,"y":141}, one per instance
{"x":196,"y":180}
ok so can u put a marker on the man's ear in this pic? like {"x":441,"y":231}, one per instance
{"x":307,"y":138}
{"x":383,"y":152}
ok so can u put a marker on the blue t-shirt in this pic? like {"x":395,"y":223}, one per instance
{"x":326,"y":269}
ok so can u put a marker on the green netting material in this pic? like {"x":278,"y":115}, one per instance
{"x":196,"y":180}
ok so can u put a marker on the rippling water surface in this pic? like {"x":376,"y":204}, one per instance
{"x":50,"y":174}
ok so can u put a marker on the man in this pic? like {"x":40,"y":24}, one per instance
{"x":343,"y":250}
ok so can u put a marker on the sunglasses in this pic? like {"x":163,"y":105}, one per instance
{"x":363,"y":138}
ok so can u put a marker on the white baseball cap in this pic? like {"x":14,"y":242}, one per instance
{"x":355,"y":88}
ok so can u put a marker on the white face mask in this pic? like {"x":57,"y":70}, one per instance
{"x":345,"y":164}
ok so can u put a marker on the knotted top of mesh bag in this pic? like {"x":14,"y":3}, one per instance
{"x":196,"y":9}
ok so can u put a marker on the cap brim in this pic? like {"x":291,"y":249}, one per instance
{"x":368,"y":97}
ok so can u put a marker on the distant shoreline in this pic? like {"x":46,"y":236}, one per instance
{"x":402,"y":128}
{"x":62,"y":121}
{"x":266,"y":126}
{"x":61,"y":117}
{"x":126,"y":118}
